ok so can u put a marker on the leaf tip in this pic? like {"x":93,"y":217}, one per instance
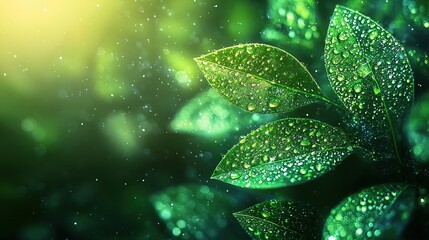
{"x":197,"y":59}
{"x":214,"y":176}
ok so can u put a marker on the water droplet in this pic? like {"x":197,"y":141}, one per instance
{"x":265,"y":214}
{"x":357,"y":87}
{"x":251,"y":107}
{"x":373,"y":34}
{"x":273,"y":103}
{"x":336,"y":59}
{"x":377,"y":90}
{"x":249,"y":49}
{"x":342,"y":36}
{"x":234,"y":176}
{"x":305,"y":142}
{"x":340,"y":77}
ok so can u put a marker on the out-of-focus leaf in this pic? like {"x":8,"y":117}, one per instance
{"x":417,"y":11}
{"x":260,"y":78}
{"x":369,"y":71}
{"x":279,"y":220}
{"x":376,"y":212}
{"x":210,"y":115}
{"x":419,"y":60}
{"x":282,"y":153}
{"x":417,"y":129}
{"x":193,"y":211}
{"x":292,"y":22}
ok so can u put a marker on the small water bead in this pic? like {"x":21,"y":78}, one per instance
{"x":251,"y":107}
{"x":373,"y":34}
{"x":342,"y":36}
{"x":265,"y":214}
{"x":305,"y":142}
{"x":336,"y":59}
{"x":357,"y":88}
{"x":273,"y":103}
{"x":234,"y":176}
{"x":250,"y":50}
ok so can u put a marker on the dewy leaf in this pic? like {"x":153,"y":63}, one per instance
{"x":376,"y":212}
{"x":282,"y":153}
{"x":292,"y":22}
{"x":279,"y":220}
{"x":193,"y":211}
{"x":210,"y":115}
{"x":370,"y":72}
{"x":260,"y":78}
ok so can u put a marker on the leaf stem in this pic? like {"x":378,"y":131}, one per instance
{"x":338,"y":106}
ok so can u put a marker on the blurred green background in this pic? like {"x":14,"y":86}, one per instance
{"x":109,"y":131}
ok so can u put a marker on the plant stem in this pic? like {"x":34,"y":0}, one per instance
{"x":338,"y":106}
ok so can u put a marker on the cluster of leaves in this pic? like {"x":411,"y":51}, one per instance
{"x":370,"y":73}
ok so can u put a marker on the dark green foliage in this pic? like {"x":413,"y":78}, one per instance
{"x":279,"y":220}
{"x":370,"y":73}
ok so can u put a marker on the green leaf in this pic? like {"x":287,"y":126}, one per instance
{"x":417,"y":129}
{"x":210,"y":115}
{"x":283,"y":153}
{"x":279,"y":220}
{"x":369,"y":71}
{"x":260,"y":78}
{"x":292,"y":22}
{"x":380,"y":211}
{"x":193,"y":211}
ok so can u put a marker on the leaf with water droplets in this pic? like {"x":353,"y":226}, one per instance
{"x":279,"y":220}
{"x":369,"y":71}
{"x":260,"y":78}
{"x":377,"y":212}
{"x":282,"y":153}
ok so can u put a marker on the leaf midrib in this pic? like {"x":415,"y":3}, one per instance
{"x":267,"y":221}
{"x":274,"y":83}
{"x":389,"y":120}
{"x":283,"y":160}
